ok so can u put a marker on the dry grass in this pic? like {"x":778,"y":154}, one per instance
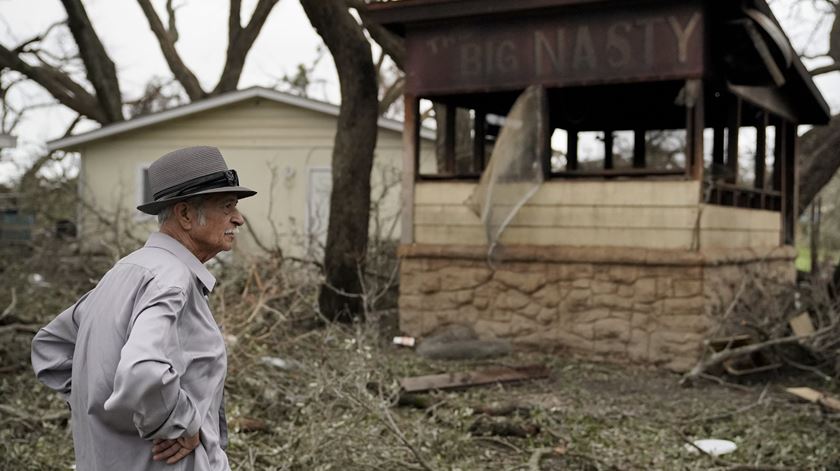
{"x":330,"y":402}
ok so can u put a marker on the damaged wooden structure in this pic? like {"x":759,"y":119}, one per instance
{"x":669,"y":159}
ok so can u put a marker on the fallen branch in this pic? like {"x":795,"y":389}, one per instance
{"x":10,"y":307}
{"x":719,"y":357}
{"x":537,"y":456}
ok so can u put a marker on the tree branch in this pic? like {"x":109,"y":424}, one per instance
{"x":167,"y":40}
{"x":392,"y":94}
{"x":240,"y":41}
{"x":58,"y":84}
{"x":392,"y":44}
{"x":100,"y":68}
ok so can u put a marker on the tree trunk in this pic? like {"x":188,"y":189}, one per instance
{"x":352,"y":160}
{"x":819,"y":160}
{"x":818,"y":156}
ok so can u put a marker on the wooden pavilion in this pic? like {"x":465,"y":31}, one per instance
{"x":658,"y":200}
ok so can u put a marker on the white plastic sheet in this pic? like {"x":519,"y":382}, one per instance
{"x":515,"y":170}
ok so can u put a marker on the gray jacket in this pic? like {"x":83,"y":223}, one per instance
{"x":140,"y":357}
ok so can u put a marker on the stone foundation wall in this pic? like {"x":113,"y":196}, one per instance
{"x":614,"y":304}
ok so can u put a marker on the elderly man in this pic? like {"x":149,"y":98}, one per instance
{"x":139,"y":358}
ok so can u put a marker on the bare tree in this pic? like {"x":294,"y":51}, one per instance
{"x":97,"y":95}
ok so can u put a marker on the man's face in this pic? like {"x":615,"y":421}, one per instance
{"x":219,"y":231}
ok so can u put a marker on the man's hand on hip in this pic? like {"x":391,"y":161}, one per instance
{"x":175,"y":450}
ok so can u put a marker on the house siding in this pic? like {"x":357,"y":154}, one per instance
{"x":271,"y":145}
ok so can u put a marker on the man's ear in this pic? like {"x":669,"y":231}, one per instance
{"x":182,"y":212}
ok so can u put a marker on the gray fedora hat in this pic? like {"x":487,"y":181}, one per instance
{"x":189,"y":172}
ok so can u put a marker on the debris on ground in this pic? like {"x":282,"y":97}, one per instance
{"x":711,"y":446}
{"x":817,"y":397}
{"x":472,"y":378}
{"x":460,"y":342}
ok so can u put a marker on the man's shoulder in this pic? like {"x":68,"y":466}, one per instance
{"x":163,"y":266}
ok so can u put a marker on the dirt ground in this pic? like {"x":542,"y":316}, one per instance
{"x":302,"y":395}
{"x":331,"y":403}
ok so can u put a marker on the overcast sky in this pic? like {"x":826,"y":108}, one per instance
{"x":286,"y":40}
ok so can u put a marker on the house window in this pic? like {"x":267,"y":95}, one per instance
{"x":319,"y":188}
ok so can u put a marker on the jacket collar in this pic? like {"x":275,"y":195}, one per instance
{"x":165,"y":242}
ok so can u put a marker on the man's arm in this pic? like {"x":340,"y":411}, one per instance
{"x":52,"y":350}
{"x":146,"y":383}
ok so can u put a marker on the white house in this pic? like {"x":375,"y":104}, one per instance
{"x":281,"y":146}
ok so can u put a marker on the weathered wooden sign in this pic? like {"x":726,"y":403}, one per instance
{"x":653,"y":42}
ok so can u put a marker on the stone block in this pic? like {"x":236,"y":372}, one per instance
{"x":511,"y":300}
{"x":589,"y":316}
{"x":576,"y":301}
{"x":643,"y":322}
{"x":419,"y":282}
{"x":520,"y":325}
{"x":603,"y":287}
{"x":458,"y":278}
{"x":528,"y":282}
{"x":687,"y":288}
{"x":465,"y":316}
{"x":693,"y":305}
{"x":582,"y":330}
{"x":624,"y":274}
{"x":547,"y":316}
{"x":664,"y":284}
{"x":639,"y":345}
{"x":530,"y":311}
{"x":492,"y":329}
{"x":611,"y":330}
{"x":696,"y":324}
{"x":612,"y":301}
{"x":645,"y":290}
{"x":626,"y":291}
{"x":481,"y":301}
{"x":581,"y":283}
{"x":573,"y":341}
{"x":416,"y":323}
{"x":569,"y":272}
{"x":548,"y":296}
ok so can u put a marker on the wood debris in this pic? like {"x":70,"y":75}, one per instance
{"x":473,"y":378}
{"x":818,"y":397}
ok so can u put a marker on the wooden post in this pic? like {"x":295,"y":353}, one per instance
{"x":695,"y":122}
{"x":572,"y":149}
{"x":479,"y":136}
{"x":411,"y":165}
{"x":608,"y":149}
{"x":639,"y":148}
{"x":816,"y":215}
{"x":544,"y":131}
{"x":449,"y":140}
{"x":790,"y":185}
{"x":778,"y":156}
{"x":761,"y":151}
{"x":717,"y":138}
{"x":733,"y":124}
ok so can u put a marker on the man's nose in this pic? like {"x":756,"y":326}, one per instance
{"x":237,"y":218}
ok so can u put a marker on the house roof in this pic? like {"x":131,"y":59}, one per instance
{"x":212,"y":103}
